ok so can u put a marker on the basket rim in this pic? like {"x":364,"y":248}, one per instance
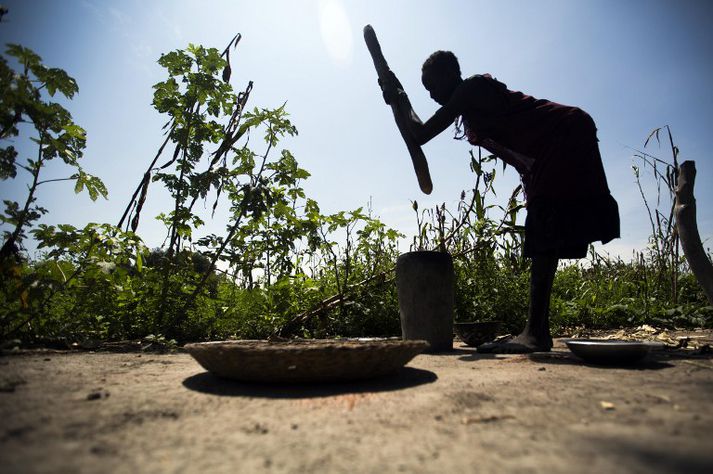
{"x":311,"y":345}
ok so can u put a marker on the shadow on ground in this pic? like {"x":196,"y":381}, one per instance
{"x":456,"y":351}
{"x":635,"y":455}
{"x":651,"y":362}
{"x":407,"y":377}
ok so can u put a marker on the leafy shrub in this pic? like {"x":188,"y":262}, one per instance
{"x":282,"y":267}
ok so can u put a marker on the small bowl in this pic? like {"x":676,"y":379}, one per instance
{"x":475,"y":333}
{"x":610,"y":351}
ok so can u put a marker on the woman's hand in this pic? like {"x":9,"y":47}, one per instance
{"x":391,"y":87}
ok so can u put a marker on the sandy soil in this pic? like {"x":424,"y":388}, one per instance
{"x":460,"y":412}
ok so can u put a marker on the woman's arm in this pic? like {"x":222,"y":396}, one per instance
{"x":424,"y":132}
{"x":471,"y":95}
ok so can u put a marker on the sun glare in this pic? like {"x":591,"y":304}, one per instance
{"x":336,"y":30}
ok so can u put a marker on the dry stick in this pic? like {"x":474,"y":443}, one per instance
{"x":147,"y":174}
{"x":144,"y":178}
{"x":230,"y":138}
{"x":329,"y":303}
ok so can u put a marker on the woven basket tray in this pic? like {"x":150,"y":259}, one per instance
{"x":304,"y":360}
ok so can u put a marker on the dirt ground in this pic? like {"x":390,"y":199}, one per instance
{"x":455,"y":412}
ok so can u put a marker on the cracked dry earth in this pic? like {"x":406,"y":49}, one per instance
{"x":456,"y":412}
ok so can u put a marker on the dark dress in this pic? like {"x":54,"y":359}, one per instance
{"x":555,"y":149}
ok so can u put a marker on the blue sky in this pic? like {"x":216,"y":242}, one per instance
{"x":633,"y":65}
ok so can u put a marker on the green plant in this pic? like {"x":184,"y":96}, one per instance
{"x":76,"y":286}
{"x":485,"y":241}
{"x":664,"y":245}
{"x":282,"y":267}
{"x":23,"y":100}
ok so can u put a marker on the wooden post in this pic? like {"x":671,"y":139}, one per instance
{"x":688,"y":229}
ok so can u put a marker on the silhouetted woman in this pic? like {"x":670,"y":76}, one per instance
{"x":555,"y":150}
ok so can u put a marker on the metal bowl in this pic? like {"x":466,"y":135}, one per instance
{"x":610,"y":351}
{"x":475,"y":333}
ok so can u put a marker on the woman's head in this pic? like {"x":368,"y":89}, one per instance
{"x":441,"y":75}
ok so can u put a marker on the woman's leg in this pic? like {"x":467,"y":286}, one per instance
{"x":542,"y":275}
{"x":536,"y":335}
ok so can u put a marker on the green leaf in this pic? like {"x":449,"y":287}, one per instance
{"x":94,"y":186}
{"x":25,"y":55}
{"x":479,"y":207}
{"x":7,"y":163}
{"x":79,"y":185}
{"x":177,"y":62}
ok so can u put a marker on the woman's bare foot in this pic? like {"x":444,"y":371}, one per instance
{"x":536,"y":335}
{"x":522,"y":344}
